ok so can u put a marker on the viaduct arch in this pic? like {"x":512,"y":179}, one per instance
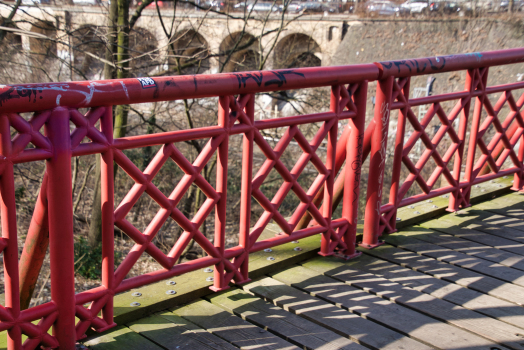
{"x":218,"y":45}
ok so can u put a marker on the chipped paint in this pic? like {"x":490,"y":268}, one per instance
{"x":125,"y":89}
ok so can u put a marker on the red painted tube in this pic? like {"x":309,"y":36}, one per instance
{"x":3,"y":244}
{"x":518,"y":176}
{"x":340,"y":159}
{"x":490,"y":176}
{"x":377,"y":163}
{"x":245,"y":196}
{"x":221,"y":204}
{"x":167,"y":137}
{"x":91,"y":295}
{"x":354,"y":159}
{"x":327,"y":208}
{"x":399,"y":150}
{"x":35,"y":247}
{"x":441,"y":64}
{"x":499,"y":148}
{"x":469,"y":175}
{"x":9,"y":233}
{"x":107,"y":205}
{"x":60,"y":206}
{"x":455,"y":198}
{"x":37,"y":312}
{"x":140,"y":90}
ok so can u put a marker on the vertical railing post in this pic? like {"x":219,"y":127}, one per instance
{"x":9,"y":233}
{"x":61,"y":243}
{"x":397,"y":158}
{"x":326,"y":248}
{"x":107,"y":205}
{"x":35,"y":247}
{"x":221,"y":187}
{"x":517,"y":177}
{"x":469,"y":176}
{"x":352,"y":173}
{"x":454,"y":201}
{"x":377,"y":163}
{"x":245,"y":195}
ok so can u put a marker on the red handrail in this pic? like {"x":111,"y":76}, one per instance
{"x":55,"y":106}
{"x":393,"y":94}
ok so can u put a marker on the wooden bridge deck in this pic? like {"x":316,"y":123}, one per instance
{"x":456,"y":282}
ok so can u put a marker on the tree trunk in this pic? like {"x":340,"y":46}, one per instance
{"x":121,"y":111}
{"x":8,"y":20}
{"x":95,"y":228}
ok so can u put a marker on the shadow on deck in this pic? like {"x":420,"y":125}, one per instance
{"x":456,"y":282}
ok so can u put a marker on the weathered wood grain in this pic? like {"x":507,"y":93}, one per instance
{"x":465,"y":246}
{"x":173,"y":332}
{"x":287,"y":325}
{"x":418,"y":326}
{"x":229,"y":327}
{"x":451,"y":273}
{"x":468,"y":298}
{"x":486,"y":327}
{"x":500,"y":237}
{"x":121,"y":338}
{"x":327,"y":315}
{"x":452,"y":257}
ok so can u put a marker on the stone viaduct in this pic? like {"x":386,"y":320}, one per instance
{"x":203,"y":40}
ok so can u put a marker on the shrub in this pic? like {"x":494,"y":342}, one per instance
{"x":88,"y":261}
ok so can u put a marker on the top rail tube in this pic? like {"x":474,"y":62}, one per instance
{"x":81,"y":94}
{"x":449,"y":63}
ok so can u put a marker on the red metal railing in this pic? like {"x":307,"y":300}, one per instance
{"x":393,"y":94}
{"x":57,"y":105}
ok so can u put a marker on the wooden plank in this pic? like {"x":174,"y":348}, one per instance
{"x":421,"y":211}
{"x":120,"y":338}
{"x":498,"y":225}
{"x":494,"y":240}
{"x":451,"y":273}
{"x":465,"y":246}
{"x":466,"y":217}
{"x":437,"y":206}
{"x":494,"y":212}
{"x":153,"y":297}
{"x":193,"y":285}
{"x":504,"y":231}
{"x":293,"y":328}
{"x":327,"y":315}
{"x":492,"y":329}
{"x":283,"y":255}
{"x":467,"y":298}
{"x":490,"y":220}
{"x":173,"y":332}
{"x":420,"y":327}
{"x":493,"y":270}
{"x":229,"y":327}
{"x":511,"y":205}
